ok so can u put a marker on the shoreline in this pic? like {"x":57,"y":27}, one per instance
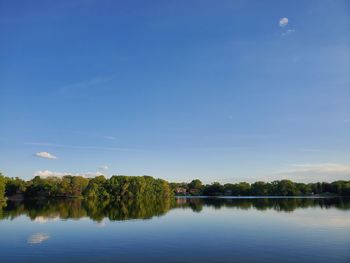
{"x":261,"y":197}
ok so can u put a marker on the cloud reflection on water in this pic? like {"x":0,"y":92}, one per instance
{"x":38,"y":238}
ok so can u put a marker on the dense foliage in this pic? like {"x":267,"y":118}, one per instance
{"x":98,"y":188}
{"x":133,"y":187}
{"x":275,"y":188}
{"x":126,"y":187}
{"x":2,"y":188}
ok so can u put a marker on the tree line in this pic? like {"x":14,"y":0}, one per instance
{"x":132,"y":187}
{"x":98,"y":188}
{"x":275,"y":188}
{"x":2,"y":188}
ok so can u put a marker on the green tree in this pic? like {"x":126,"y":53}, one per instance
{"x":340,"y":187}
{"x":283,"y":188}
{"x":195,"y":187}
{"x":195,"y":184}
{"x":2,"y":188}
{"x":214,"y":189}
{"x":96,"y":189}
{"x":243,"y":188}
{"x":303,"y":189}
{"x":15,"y":186}
{"x":260,"y":188}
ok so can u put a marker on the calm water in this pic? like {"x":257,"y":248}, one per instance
{"x":177,"y":230}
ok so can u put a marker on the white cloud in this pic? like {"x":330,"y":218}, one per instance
{"x":38,"y":238}
{"x":82,"y":147}
{"x":109,"y":137}
{"x":103,"y":168}
{"x":322,"y":168}
{"x":283,"y":22}
{"x":288,"y":32}
{"x":317,"y":172}
{"x":311,"y":150}
{"x":86,"y":85}
{"x":47,"y":173}
{"x":45,"y":155}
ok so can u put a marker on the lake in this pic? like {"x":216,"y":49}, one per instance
{"x":177,"y":230}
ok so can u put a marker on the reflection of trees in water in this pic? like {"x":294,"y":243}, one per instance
{"x":146,"y":208}
{"x":46,"y":208}
{"x":128,"y":209}
{"x":2,"y":205}
{"x":278,"y":204}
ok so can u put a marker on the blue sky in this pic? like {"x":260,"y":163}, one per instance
{"x":220,"y":91}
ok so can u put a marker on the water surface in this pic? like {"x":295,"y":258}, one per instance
{"x":177,"y":230}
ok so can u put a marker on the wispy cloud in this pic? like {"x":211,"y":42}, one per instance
{"x":103,"y":168}
{"x":84,"y":85}
{"x":93,"y":135}
{"x":283,"y":21}
{"x":45,"y":155}
{"x":310,"y":150}
{"x":321,"y":168}
{"x":109,"y":137}
{"x":288,"y":32}
{"x":317,"y":171}
{"x":80,"y":147}
{"x":47,"y":173}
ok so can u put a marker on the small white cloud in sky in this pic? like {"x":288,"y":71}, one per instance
{"x":288,"y":32}
{"x":45,"y":155}
{"x":283,"y":22}
{"x":103,"y":168}
{"x":47,"y":173}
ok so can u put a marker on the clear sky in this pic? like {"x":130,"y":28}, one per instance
{"x":216,"y":90}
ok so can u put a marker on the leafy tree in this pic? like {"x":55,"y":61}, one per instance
{"x":214,"y":189}
{"x":2,"y":188}
{"x":341,"y":187}
{"x":72,"y":186}
{"x":242,"y":188}
{"x":15,"y":186}
{"x":260,"y":188}
{"x":283,"y":188}
{"x":96,"y":189}
{"x":196,"y":185}
{"x":303,"y":189}
{"x":123,"y":187}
